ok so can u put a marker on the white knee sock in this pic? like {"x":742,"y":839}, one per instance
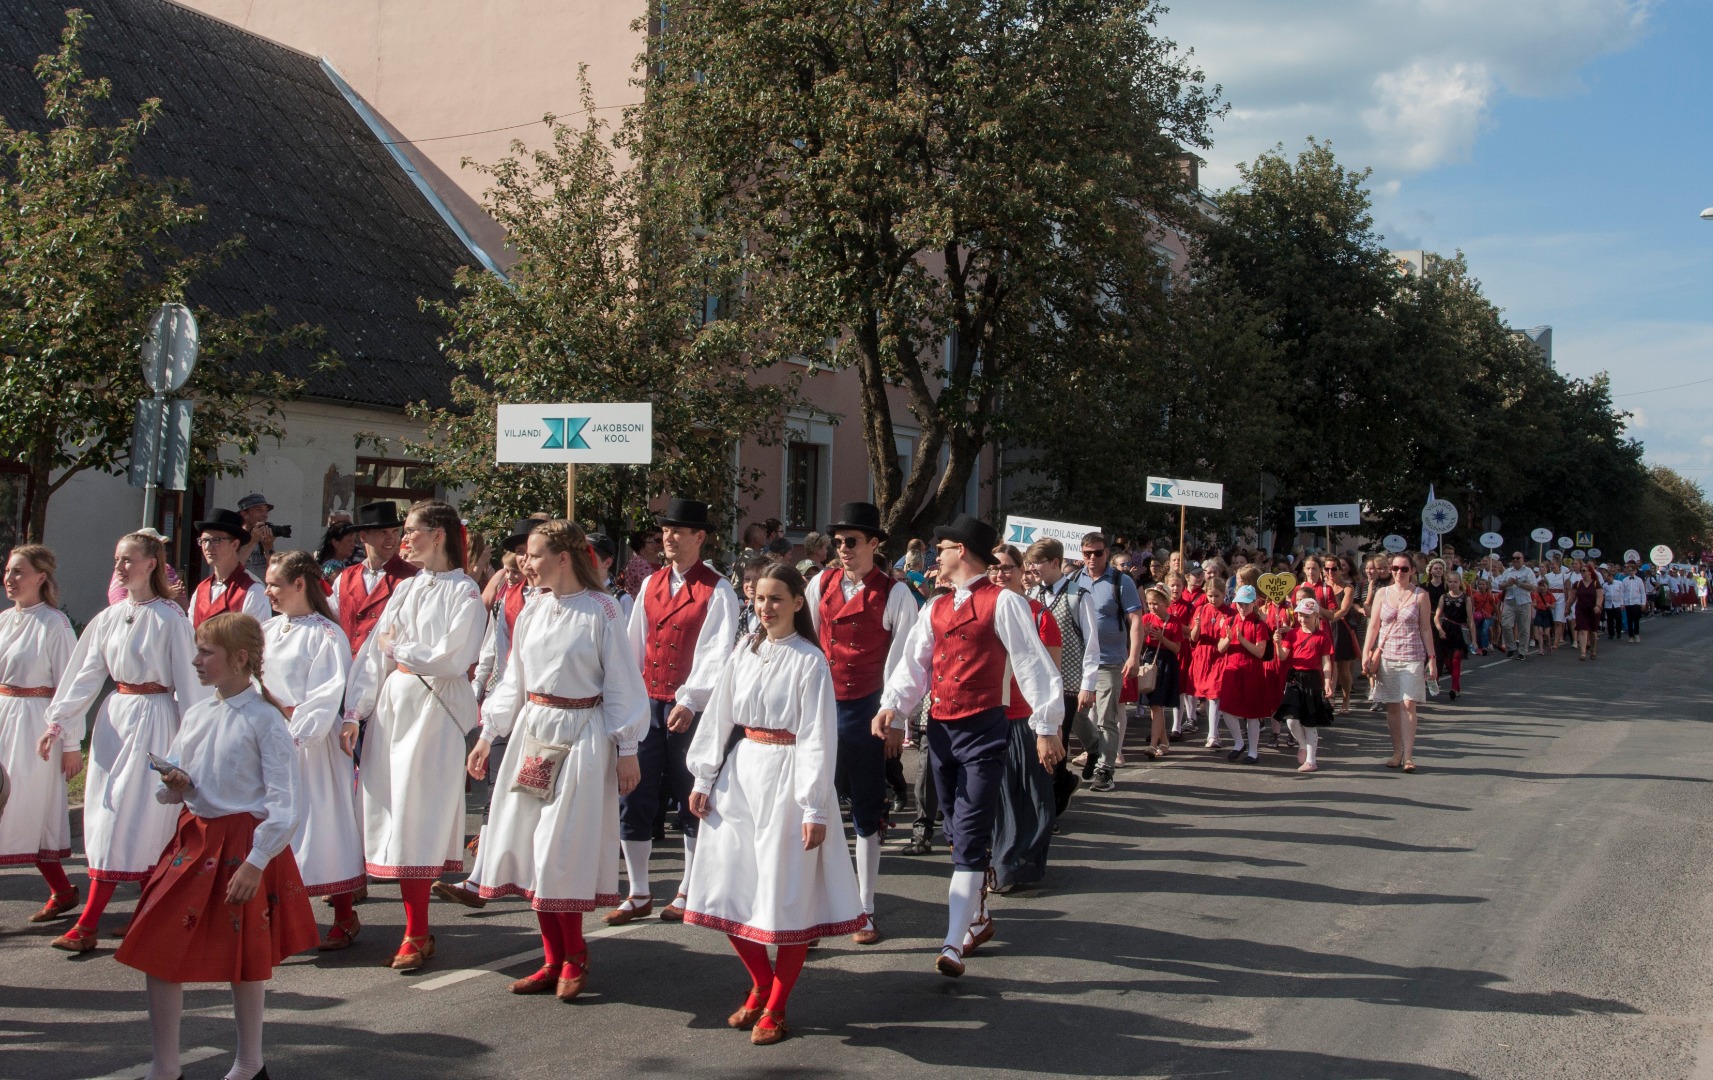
{"x":1212,"y":722}
{"x":963,"y":900}
{"x":166,"y":1008}
{"x":1255,"y":736}
{"x":868,"y":869}
{"x":1296,"y":727}
{"x":1311,"y":742}
{"x":1123,"y":723}
{"x":636,"y":868}
{"x":689,"y":857}
{"x":1234,"y":724}
{"x":247,"y":1000}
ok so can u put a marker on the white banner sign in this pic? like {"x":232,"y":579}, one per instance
{"x":1320,"y":517}
{"x":1186,"y":492}
{"x":1660,"y":556}
{"x":606,"y":434}
{"x":1492,"y":541}
{"x":1394,"y":543}
{"x":1542,"y":536}
{"x":1024,"y":531}
{"x":1439,"y":517}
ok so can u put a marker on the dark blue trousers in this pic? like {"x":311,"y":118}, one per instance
{"x":967,"y":757}
{"x":660,"y":757}
{"x":860,"y":774}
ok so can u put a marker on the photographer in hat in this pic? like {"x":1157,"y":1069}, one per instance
{"x":254,"y":509}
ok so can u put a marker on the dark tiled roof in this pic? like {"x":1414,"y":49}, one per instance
{"x":336,"y":235}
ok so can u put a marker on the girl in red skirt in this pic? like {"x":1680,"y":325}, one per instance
{"x":225,"y":902}
{"x":1245,"y":693}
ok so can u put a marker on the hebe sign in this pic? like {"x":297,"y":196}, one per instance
{"x":607,"y":434}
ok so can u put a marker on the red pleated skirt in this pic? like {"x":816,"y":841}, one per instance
{"x":185,"y":931}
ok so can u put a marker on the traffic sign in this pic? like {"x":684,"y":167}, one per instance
{"x":1492,"y":541}
{"x":1584,"y":539}
{"x":1394,"y":543}
{"x":575,"y":434}
{"x":1439,"y":516}
{"x":1185,"y":492}
{"x":1024,"y":531}
{"x":1660,"y":556}
{"x":1541,"y":536}
{"x":160,"y":443}
{"x":169,"y":352}
{"x":1323,"y":517}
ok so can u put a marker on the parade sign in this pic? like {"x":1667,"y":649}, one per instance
{"x":1322,"y":517}
{"x":604,"y":434}
{"x":1632,"y":555}
{"x":1276,"y":587}
{"x":1541,"y":536}
{"x":1492,"y":541}
{"x":1186,"y":492}
{"x":1439,"y":516}
{"x":1593,"y":553}
{"x":1565,"y":544}
{"x":1024,"y":531}
{"x":1660,"y":556}
{"x":1395,"y":543}
{"x":1579,"y":554}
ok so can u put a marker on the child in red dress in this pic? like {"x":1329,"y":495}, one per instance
{"x":1245,"y":692}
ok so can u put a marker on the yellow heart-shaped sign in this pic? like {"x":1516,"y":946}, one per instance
{"x":1277,"y":587}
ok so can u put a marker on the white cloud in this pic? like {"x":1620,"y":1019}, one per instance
{"x":1402,"y":85}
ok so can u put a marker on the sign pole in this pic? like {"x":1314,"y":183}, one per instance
{"x":571,"y":491}
{"x":1329,"y":539}
{"x":1183,"y":559}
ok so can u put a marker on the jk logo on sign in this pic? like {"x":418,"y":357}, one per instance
{"x":565,"y":434}
{"x":1160,"y":490}
{"x":1308,"y":517}
{"x":1021,"y":534}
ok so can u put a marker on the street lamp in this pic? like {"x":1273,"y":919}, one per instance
{"x":1707,"y":214}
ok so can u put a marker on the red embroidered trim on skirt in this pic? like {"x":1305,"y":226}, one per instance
{"x":552,"y":702}
{"x":31,"y":860}
{"x":774,"y":937}
{"x":337,"y":887}
{"x":8,"y":690}
{"x":550,"y":904}
{"x":143,"y":688}
{"x":97,"y":874}
{"x":399,"y":873}
{"x":770,"y":736}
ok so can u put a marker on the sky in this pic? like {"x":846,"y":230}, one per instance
{"x":1564,"y":146}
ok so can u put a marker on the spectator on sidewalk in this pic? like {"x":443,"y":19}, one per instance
{"x":1118,"y":615}
{"x":1517,"y":613}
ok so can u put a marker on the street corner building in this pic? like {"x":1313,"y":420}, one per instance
{"x":341,"y":231}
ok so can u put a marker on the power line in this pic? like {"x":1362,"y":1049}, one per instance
{"x":1657,"y":389}
{"x":508,"y":127}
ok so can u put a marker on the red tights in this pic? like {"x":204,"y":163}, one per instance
{"x":54,"y":874}
{"x":99,"y":893}
{"x":780,"y":976}
{"x":415,"y":894}
{"x":1457,"y":671}
{"x":343,"y":909}
{"x":562,"y":937}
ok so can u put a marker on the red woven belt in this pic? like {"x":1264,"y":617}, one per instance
{"x":565,"y":702}
{"x":143,"y":688}
{"x":770,"y":736}
{"x":26,"y":691}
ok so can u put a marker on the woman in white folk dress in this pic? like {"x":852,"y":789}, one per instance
{"x":573,"y":706}
{"x":767,"y":873}
{"x":144,"y":644}
{"x":411,"y":682}
{"x":308,"y":664}
{"x":36,"y":641}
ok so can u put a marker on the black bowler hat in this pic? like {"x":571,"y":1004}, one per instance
{"x":973,"y":533}
{"x":225,"y":521}
{"x":686,"y":514}
{"x":521,"y":529}
{"x":603,"y":545}
{"x":378,"y":515}
{"x":861,"y":516}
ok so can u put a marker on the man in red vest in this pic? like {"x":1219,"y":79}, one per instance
{"x":681,"y":631}
{"x":362,"y":591}
{"x":963,"y":648}
{"x":231,"y":588}
{"x":864,"y":616}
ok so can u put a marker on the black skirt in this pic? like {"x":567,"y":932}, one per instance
{"x":1344,"y":643}
{"x":1165,"y":690}
{"x":1305,"y":700}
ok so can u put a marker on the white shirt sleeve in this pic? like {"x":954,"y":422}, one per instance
{"x":908,"y":681}
{"x":284,"y":783}
{"x":713,"y":646}
{"x":256,"y":603}
{"x":452,"y":656}
{"x":817,"y":741}
{"x":500,"y":709}
{"x":713,"y":731}
{"x":900,"y":618}
{"x":318,"y":713}
{"x":1091,"y":642}
{"x":812,"y":597}
{"x":1031,"y":664}
{"x":624,"y":699}
{"x":85,"y":674}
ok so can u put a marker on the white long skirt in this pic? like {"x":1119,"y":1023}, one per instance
{"x":35,"y":826}
{"x":562,"y":853}
{"x":751,"y":877}
{"x":328,"y":842}
{"x":413,"y":780}
{"x":124,"y":828}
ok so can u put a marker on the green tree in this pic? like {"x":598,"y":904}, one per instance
{"x":88,"y":251}
{"x":950,"y":198}
{"x":622,"y":291}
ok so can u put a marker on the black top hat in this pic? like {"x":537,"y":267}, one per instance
{"x":861,"y":516}
{"x":521,"y":529}
{"x":226,"y":521}
{"x":603,"y":545}
{"x":973,"y":533}
{"x":686,"y":514}
{"x":378,"y":515}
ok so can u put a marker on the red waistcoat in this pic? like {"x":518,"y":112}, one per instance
{"x":512,"y":607}
{"x":854,"y":634}
{"x":360,"y":609}
{"x":672,"y":625}
{"x":202,"y":608}
{"x":969,"y":659}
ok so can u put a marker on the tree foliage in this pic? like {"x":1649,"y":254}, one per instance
{"x":89,"y":249}
{"x":623,"y":290}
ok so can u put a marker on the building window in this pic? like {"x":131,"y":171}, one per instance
{"x":401,"y":482}
{"x":802,"y":484}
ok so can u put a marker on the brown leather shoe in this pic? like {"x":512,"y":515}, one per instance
{"x":415,"y":952}
{"x":76,"y":940}
{"x":673,"y":912}
{"x":745,"y":1017}
{"x":950,"y":962}
{"x":869,"y":934}
{"x":620,"y":916}
{"x":458,"y":894}
{"x":768,"y":1034}
{"x":980,"y":934}
{"x":539,"y":983}
{"x":572,"y":977}
{"x":56,"y":907}
{"x":341,"y":935}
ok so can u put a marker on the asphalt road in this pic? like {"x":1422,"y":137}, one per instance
{"x":1535,"y":902}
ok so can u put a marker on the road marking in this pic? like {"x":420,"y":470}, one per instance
{"x":186,"y":1057}
{"x":453,"y":978}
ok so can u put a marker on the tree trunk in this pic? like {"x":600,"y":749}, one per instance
{"x":36,"y":519}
